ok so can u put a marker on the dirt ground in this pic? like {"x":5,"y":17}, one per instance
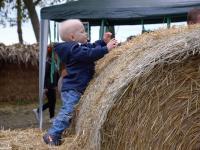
{"x":21,"y":116}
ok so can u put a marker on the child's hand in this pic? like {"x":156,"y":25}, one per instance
{"x":64,"y":73}
{"x":112,"y":44}
{"x":107,"y":37}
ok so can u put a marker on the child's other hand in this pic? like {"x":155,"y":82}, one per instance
{"x":107,"y":37}
{"x":112,"y":44}
{"x":64,"y":73}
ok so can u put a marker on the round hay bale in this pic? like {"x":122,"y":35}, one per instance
{"x":147,"y":97}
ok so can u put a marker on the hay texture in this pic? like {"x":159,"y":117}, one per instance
{"x":19,"y":54}
{"x":28,"y":139}
{"x":21,"y":139}
{"x":146,"y":95}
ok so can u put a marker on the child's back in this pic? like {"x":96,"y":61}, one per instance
{"x":79,"y":60}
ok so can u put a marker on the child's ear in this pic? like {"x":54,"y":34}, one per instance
{"x":72,"y":37}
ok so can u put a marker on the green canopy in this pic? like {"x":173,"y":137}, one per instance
{"x":121,"y":12}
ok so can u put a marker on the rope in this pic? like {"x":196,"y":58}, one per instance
{"x":143,"y":28}
{"x":55,"y":65}
{"x":58,"y":34}
{"x":52,"y":57}
{"x":54,"y":31}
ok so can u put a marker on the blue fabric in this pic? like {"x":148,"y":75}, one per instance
{"x":79,"y":60}
{"x":62,"y":121}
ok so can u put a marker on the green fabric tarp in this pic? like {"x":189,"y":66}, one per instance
{"x":121,"y":12}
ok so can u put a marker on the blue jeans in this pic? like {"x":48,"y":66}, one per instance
{"x":62,"y":121}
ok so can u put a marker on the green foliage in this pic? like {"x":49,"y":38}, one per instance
{"x":9,"y":13}
{"x":15,"y":12}
{"x":8,"y":10}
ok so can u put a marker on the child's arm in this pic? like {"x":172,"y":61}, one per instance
{"x":88,"y":54}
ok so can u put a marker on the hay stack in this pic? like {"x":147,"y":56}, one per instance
{"x":147,"y":97}
{"x":21,"y":139}
{"x":18,"y":72}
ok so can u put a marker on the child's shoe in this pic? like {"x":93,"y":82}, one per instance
{"x":51,"y":120}
{"x":36,"y":114}
{"x":51,"y":140}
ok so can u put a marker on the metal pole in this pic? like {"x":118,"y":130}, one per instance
{"x":42,"y":64}
{"x":168,"y":22}
{"x":101,"y":31}
{"x":58,"y":33}
{"x":143,"y":28}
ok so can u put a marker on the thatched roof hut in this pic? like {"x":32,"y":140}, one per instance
{"x":18,"y":72}
{"x":145,"y":95}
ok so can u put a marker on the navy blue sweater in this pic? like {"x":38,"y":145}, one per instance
{"x":79,"y":60}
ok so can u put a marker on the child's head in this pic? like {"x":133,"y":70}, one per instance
{"x":193,"y":16}
{"x":73,"y":30}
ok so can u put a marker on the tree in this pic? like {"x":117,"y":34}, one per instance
{"x":25,"y":10}
{"x":19,"y":21}
{"x":30,"y":5}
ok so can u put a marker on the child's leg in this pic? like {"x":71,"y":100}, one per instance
{"x":44,"y":107}
{"x":62,"y":121}
{"x":51,"y":95}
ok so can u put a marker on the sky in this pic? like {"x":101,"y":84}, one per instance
{"x":9,"y":34}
